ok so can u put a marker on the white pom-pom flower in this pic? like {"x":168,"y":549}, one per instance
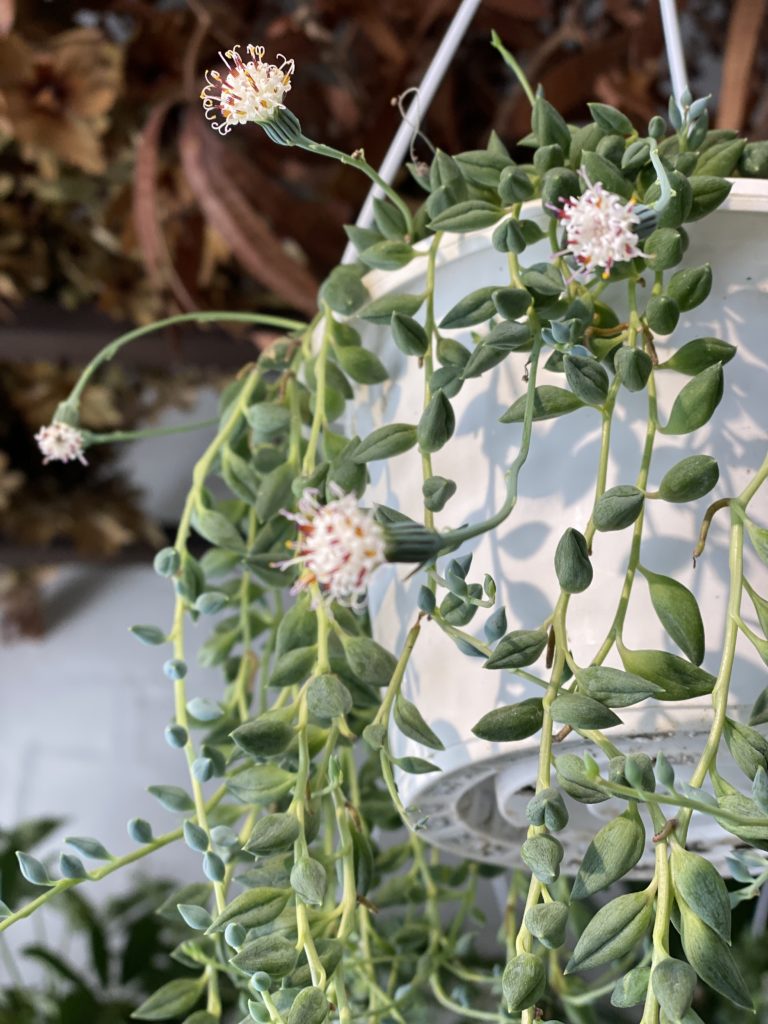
{"x":60,"y":442}
{"x":250,"y":91}
{"x":338,"y":547}
{"x":600,"y":230}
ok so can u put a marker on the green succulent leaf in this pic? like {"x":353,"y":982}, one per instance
{"x":698,"y":355}
{"x":473,"y":309}
{"x":586,"y":378}
{"x":573,"y":567}
{"x":674,"y":983}
{"x":368,"y":660}
{"x":691,"y":478}
{"x":700,"y":885}
{"x":543,"y":855}
{"x":512,"y":722}
{"x":610,"y":119}
{"x":268,"y":734}
{"x":517,"y":649}
{"x":614,"y":851}
{"x":388,"y":255}
{"x":614,"y":688}
{"x":309,"y":1007}
{"x":581,"y":712}
{"x":171,"y":1000}
{"x":748,"y":748}
{"x":618,"y":507}
{"x":696,"y":402}
{"x":548,"y":125}
{"x":273,"y":833}
{"x":469,"y":215}
{"x":392,"y":439}
{"x":598,"y":168}
{"x":709,"y":191}
{"x":261,"y":784}
{"x":523,"y":982}
{"x":511,"y":303}
{"x":410,"y":722}
{"x":679,"y":613}
{"x":380,"y":310}
{"x":632,"y":988}
{"x":410,"y":337}
{"x":328,"y":697}
{"x":711,"y":958}
{"x":676,"y":678}
{"x":309,"y":881}
{"x":272,"y":954}
{"x":548,"y":402}
{"x":690,"y":287}
{"x":547,"y":923}
{"x":634,"y":366}
{"x":437,"y":423}
{"x":343,"y":290}
{"x":613,"y":932}
{"x":662,"y":314}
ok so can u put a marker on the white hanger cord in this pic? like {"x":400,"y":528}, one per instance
{"x":674,"y":45}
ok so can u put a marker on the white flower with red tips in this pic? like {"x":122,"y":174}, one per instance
{"x":600,"y":229}
{"x":251,"y":91}
{"x":60,"y":442}
{"x":338,"y":547}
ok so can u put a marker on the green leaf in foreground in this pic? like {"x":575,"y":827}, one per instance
{"x":613,"y":852}
{"x":711,"y":958}
{"x":676,"y":678}
{"x":696,"y":402}
{"x":613,"y":932}
{"x":410,"y":722}
{"x":700,"y":884}
{"x":171,"y":1000}
{"x":517,"y":649}
{"x":513,"y":722}
{"x":679,"y":613}
{"x":523,"y":982}
{"x":691,"y":478}
{"x":548,"y":402}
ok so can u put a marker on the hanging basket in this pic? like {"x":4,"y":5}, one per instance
{"x":476,"y":805}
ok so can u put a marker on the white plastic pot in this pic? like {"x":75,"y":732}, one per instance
{"x":476,"y":805}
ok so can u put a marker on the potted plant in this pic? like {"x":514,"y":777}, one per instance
{"x":542,"y":293}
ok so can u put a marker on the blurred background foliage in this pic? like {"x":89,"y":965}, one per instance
{"x":116,"y":196}
{"x":114,"y":953}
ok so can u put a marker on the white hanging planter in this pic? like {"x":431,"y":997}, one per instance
{"x":476,"y":805}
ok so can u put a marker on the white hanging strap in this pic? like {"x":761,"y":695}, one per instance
{"x":674,"y":46}
{"x":433,"y":77}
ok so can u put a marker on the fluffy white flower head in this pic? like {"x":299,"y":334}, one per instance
{"x":338,"y":547}
{"x":59,"y":442}
{"x":599,"y":229}
{"x":251,"y":90}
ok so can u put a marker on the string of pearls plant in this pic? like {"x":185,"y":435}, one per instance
{"x":303,"y":916}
